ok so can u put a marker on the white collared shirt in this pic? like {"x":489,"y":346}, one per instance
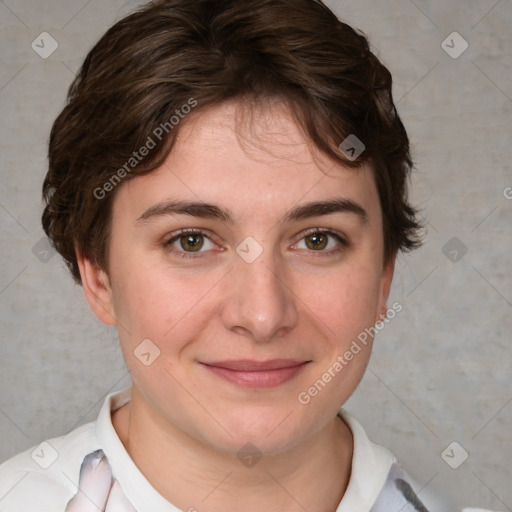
{"x":74,"y":472}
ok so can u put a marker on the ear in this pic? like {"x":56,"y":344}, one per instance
{"x":385,"y":286}
{"x":97,"y":289}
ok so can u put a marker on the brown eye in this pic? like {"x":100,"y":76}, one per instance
{"x":192,"y":242}
{"x":317,"y":241}
{"x":323,"y":243}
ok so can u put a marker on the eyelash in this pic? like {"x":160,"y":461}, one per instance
{"x":343,"y":242}
{"x":178,"y":235}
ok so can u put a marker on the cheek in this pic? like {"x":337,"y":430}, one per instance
{"x":342,"y":308}
{"x":344,"y":301}
{"x":159,"y":303}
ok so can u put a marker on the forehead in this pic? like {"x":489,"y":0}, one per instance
{"x":255,"y":159}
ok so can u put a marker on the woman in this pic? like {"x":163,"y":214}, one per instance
{"x":228,"y":184}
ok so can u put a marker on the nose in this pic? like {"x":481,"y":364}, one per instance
{"x":259,"y":304}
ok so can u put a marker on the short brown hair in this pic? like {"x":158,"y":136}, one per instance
{"x":173,"y":53}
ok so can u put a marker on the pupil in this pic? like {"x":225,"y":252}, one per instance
{"x":192,"y":242}
{"x":317,"y":241}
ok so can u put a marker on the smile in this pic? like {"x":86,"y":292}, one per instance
{"x":257,"y":374}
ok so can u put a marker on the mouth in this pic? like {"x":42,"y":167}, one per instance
{"x":257,"y":374}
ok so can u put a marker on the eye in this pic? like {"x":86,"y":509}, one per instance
{"x":188,"y":242}
{"x":322,"y":241}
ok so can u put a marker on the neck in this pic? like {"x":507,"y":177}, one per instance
{"x":195,"y":477}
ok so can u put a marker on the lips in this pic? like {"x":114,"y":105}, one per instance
{"x":246,"y":365}
{"x":257,"y":374}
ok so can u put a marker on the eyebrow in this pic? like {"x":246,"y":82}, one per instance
{"x":316,"y":209}
{"x":194,"y":209}
{"x":213,"y":211}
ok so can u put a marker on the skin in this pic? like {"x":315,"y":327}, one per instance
{"x":184,"y":424}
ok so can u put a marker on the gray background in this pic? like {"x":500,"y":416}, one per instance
{"x":441,"y":371}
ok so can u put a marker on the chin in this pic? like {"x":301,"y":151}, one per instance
{"x":268,"y":433}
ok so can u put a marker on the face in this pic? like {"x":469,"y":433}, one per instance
{"x":251,"y":264}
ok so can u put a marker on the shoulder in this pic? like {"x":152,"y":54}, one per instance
{"x":379,"y":484}
{"x":43,"y":477}
{"x":402,"y":493}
